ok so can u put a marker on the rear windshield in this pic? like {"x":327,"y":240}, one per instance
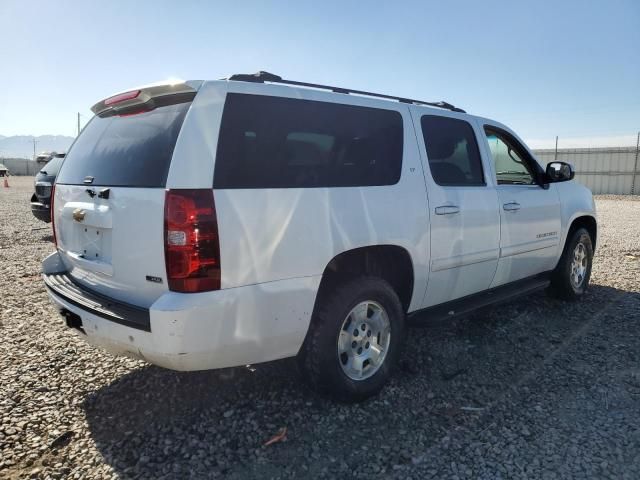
{"x":52,"y":167}
{"x":125,"y":151}
{"x":273,"y":142}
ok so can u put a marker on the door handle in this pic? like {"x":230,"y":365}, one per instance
{"x":447,"y":210}
{"x":511,"y":206}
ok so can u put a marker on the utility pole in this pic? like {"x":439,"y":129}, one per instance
{"x":34,"y":149}
{"x":555,"y":156}
{"x":78,"y":123}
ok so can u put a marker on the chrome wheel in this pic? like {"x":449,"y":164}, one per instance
{"x":364,"y":340}
{"x":578,"y":265}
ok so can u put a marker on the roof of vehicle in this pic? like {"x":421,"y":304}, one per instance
{"x":262,"y":77}
{"x":2,"y":167}
{"x":146,"y":93}
{"x":150,"y":92}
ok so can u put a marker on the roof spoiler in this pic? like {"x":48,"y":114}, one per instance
{"x":147,"y":97}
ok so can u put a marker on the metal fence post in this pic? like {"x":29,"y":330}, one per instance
{"x":635,"y":167}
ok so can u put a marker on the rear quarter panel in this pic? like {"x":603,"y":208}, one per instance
{"x":274,"y":234}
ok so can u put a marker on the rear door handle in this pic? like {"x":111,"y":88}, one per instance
{"x":511,"y":206}
{"x":447,"y":210}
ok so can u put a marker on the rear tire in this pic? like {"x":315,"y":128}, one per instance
{"x":570,"y":278}
{"x":354,"y":339}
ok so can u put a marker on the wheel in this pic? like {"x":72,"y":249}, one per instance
{"x":354,"y":339}
{"x":570,"y":278}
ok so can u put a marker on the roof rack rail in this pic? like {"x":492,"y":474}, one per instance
{"x":261,"y":77}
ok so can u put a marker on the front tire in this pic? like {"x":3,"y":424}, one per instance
{"x":354,"y":339}
{"x":570,"y":279}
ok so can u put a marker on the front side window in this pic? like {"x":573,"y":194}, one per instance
{"x":452,"y":149}
{"x":509,"y":161}
{"x":276,"y":142}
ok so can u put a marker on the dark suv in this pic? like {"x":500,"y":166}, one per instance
{"x":46,"y":177}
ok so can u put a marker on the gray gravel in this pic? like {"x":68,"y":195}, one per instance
{"x":536,"y":388}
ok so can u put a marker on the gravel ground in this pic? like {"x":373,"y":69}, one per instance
{"x":536,"y":388}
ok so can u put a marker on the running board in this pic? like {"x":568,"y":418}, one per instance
{"x":466,"y":305}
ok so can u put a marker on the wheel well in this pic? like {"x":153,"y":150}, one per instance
{"x":589,"y":224}
{"x":389,"y":262}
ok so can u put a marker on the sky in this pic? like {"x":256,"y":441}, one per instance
{"x":545,"y":68}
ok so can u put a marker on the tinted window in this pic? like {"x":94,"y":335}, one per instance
{"x":454,"y":158}
{"x":511,"y":166}
{"x":126,"y":151}
{"x":52,"y":167}
{"x":273,"y":142}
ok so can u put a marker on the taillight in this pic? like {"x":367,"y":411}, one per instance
{"x":51,"y":214}
{"x":191,"y":244}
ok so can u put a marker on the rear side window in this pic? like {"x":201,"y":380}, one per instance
{"x":125,"y":151}
{"x":454,"y":157}
{"x":274,"y":142}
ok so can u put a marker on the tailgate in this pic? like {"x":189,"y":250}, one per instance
{"x":113,"y":246}
{"x":110,"y":194}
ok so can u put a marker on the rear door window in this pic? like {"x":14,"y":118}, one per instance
{"x":452,"y":149}
{"x":125,"y":150}
{"x":275,"y":142}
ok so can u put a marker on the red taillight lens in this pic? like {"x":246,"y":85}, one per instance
{"x":191,"y":244}
{"x":52,"y":214}
{"x":122,"y":97}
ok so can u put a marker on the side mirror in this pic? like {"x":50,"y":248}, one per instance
{"x":559,"y":172}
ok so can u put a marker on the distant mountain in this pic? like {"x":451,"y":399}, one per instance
{"x":21,"y":146}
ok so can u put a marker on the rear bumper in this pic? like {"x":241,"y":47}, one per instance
{"x":40,"y":210}
{"x":225,"y":328}
{"x":63,"y":287}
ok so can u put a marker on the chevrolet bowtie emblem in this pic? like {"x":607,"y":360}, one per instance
{"x":79,"y":214}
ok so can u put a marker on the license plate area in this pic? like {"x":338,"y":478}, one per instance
{"x":85,"y":233}
{"x":90,"y":244}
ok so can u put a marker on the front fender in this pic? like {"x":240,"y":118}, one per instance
{"x":576,"y":201}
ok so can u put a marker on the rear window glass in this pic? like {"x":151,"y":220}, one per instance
{"x":454,"y":157}
{"x":274,"y":142}
{"x":53,"y":166}
{"x":125,"y":151}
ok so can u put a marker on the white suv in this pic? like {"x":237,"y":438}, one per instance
{"x":210,"y":224}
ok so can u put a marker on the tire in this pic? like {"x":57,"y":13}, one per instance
{"x":566,"y":281}
{"x":336,"y":346}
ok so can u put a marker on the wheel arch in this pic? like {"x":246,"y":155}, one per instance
{"x":391,"y":263}
{"x":589,"y":223}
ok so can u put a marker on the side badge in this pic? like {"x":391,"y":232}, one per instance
{"x":153,"y":279}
